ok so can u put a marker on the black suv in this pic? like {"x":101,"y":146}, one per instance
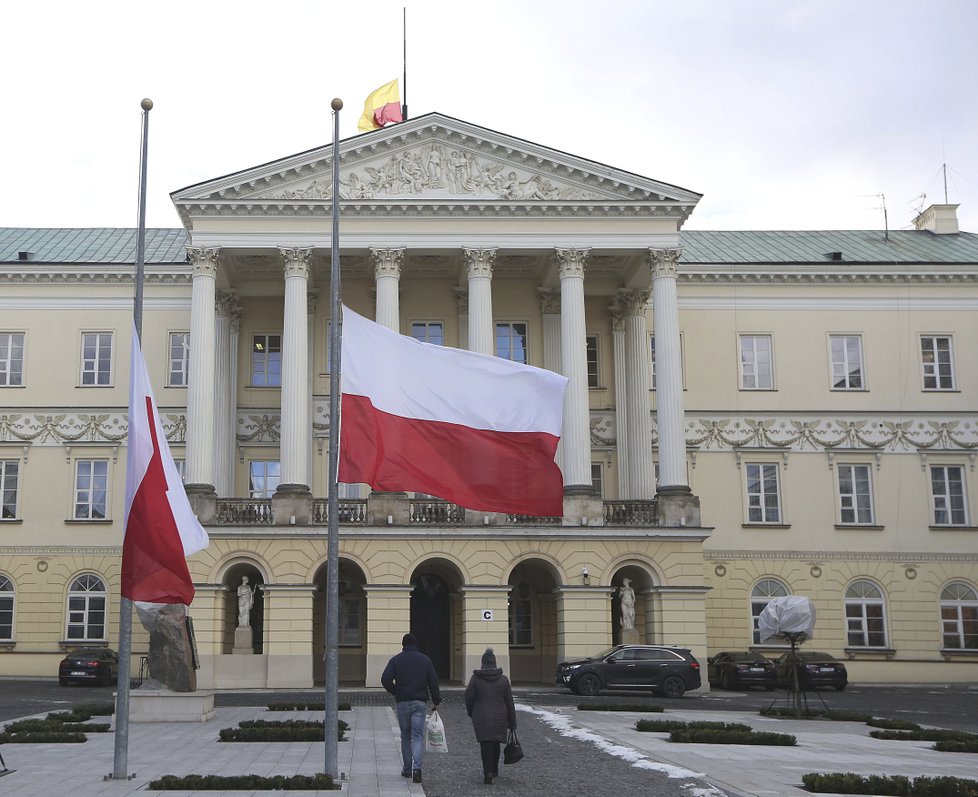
{"x":660,"y":668}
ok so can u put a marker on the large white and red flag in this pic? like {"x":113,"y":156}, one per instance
{"x":476,"y":430}
{"x":161,"y":530}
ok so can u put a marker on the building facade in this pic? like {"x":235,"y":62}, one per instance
{"x":748,"y":415}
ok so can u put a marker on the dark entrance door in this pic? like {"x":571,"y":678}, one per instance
{"x":430,"y":621}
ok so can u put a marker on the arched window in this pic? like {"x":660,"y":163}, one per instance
{"x":760,"y":596}
{"x":86,"y":609}
{"x":959,"y":616}
{"x":865,"y":615}
{"x":6,"y":608}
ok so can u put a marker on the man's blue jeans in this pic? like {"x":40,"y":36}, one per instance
{"x":410,"y":719}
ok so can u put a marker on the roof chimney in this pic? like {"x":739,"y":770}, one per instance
{"x":938,"y":219}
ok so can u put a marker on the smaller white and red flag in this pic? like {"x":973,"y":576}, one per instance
{"x":476,"y":430}
{"x":161,"y":530}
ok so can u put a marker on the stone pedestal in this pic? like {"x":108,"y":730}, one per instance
{"x":161,"y":705}
{"x":629,"y":636}
{"x":243,"y":641}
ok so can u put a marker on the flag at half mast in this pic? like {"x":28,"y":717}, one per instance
{"x":383,"y":107}
{"x":473,"y":429}
{"x":161,"y":530}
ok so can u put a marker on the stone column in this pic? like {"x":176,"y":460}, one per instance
{"x":224,"y":392}
{"x":638,"y":414}
{"x":388,"y":620}
{"x":478,"y":264}
{"x":387,"y":274}
{"x":550,"y":309}
{"x":462,"y":312}
{"x":481,"y":631}
{"x":200,"y":394}
{"x":311,"y":299}
{"x":573,"y":356}
{"x":673,"y":480}
{"x":621,"y":399}
{"x":296,"y":433}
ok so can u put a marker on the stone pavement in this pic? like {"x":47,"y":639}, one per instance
{"x":370,"y":760}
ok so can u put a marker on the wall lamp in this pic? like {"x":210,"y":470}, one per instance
{"x":585,"y":576}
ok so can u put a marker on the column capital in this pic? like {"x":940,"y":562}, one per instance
{"x":387,"y":262}
{"x":296,"y":261}
{"x":664,"y":262}
{"x":479,"y":262}
{"x":571,"y":262}
{"x":462,"y":301}
{"x":226,"y":305}
{"x":549,"y":301}
{"x":629,"y":302}
{"x":203,"y":262}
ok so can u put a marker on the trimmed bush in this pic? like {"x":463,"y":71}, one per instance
{"x":41,"y":737}
{"x":893,"y":725}
{"x":305,"y":707}
{"x":816,"y":714}
{"x":97,"y":709}
{"x":343,"y":725}
{"x":895,"y":785}
{"x":75,"y":715}
{"x":678,"y":725}
{"x":648,"y":708}
{"x":932,"y":735}
{"x":318,"y":782}
{"x":842,"y":715}
{"x":957,"y":745}
{"x":711,"y":736}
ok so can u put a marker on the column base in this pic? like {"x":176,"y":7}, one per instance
{"x":582,"y":506}
{"x":292,"y":505}
{"x":678,"y":507}
{"x":203,"y":502}
{"x":388,"y":509}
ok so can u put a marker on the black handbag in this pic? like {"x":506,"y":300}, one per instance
{"x":513,"y":751}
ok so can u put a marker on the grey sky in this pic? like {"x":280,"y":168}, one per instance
{"x":785,"y":115}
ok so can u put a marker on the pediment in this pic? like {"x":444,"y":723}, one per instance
{"x":434,"y":160}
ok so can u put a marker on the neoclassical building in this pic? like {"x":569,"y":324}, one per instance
{"x":749,"y":414}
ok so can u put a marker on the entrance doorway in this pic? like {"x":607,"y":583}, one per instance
{"x":431,"y":620}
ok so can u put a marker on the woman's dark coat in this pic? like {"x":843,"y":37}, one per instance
{"x":489,"y":701}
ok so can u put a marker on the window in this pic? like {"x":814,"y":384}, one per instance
{"x":947,"y":494}
{"x":179,"y":359}
{"x":521,"y":618}
{"x":865,"y":615}
{"x":428,"y":332}
{"x":756,"y":362}
{"x":86,"y":608}
{"x":91,"y":489}
{"x":763,"y":495}
{"x":9,"y":470}
{"x":266,"y":361}
{"x":96,"y":367}
{"x":936,"y":361}
{"x":350,"y":621}
{"x":511,"y":342}
{"x":760,"y":596}
{"x":11,"y":359}
{"x":959,"y":616}
{"x":263,"y":478}
{"x":181,"y":466}
{"x":597,"y":479}
{"x":855,"y":494}
{"x":847,"y":362}
{"x":592,"y":361}
{"x":682,"y":358}
{"x":6,"y":608}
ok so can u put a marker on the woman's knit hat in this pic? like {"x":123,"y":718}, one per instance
{"x":488,"y":660}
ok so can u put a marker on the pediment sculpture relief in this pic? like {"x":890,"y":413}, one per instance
{"x":438,"y":169}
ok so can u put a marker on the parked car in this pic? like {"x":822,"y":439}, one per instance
{"x":664,"y":669}
{"x":814,"y":669}
{"x":741,"y":669}
{"x":92,"y":665}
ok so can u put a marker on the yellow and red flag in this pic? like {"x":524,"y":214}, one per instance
{"x":383,"y":107}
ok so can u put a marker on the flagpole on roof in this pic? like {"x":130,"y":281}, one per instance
{"x":120,"y":763}
{"x":404,"y":114}
{"x":333,"y":542}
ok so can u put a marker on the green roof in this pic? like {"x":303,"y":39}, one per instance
{"x":90,"y":245}
{"x":117,"y":245}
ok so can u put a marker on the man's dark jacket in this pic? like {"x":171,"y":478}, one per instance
{"x":410,"y":675}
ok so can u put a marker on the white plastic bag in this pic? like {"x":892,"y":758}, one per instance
{"x":434,"y":734}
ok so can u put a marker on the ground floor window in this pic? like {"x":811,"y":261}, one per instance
{"x":86,"y":608}
{"x":959,"y":616}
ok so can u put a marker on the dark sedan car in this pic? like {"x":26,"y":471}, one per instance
{"x":741,"y":669}
{"x":668,"y":670}
{"x":90,"y":665}
{"x":814,"y":669}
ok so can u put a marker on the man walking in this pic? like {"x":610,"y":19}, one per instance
{"x":410,"y":677}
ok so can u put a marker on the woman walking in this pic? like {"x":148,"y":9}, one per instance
{"x":489,"y":702}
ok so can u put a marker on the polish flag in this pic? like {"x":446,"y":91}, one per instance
{"x":476,"y":430}
{"x":161,"y":530}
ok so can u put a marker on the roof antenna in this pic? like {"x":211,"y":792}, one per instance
{"x":886,"y":223}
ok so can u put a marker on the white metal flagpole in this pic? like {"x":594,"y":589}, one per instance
{"x":120,"y":764}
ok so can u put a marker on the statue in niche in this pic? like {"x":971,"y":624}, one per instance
{"x":246,"y":599}
{"x":627,"y":595}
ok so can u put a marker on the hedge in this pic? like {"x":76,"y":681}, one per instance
{"x":343,"y":725}
{"x":41,"y":737}
{"x":273,"y":734}
{"x":678,"y":725}
{"x":957,"y":745}
{"x":318,"y":782}
{"x":931,"y":735}
{"x":893,"y":785}
{"x":711,"y":736}
{"x":814,"y":714}
{"x":305,"y":707}
{"x":894,"y":725}
{"x":647,"y":709}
